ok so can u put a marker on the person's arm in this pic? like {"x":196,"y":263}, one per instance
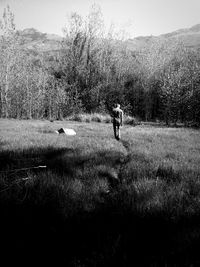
{"x":112,"y":115}
{"x":121,"y":118}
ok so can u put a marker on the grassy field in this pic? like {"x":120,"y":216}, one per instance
{"x":98,"y":201}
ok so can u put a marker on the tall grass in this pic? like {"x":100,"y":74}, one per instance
{"x":100,"y":202}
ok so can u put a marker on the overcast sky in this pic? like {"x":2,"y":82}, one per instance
{"x":140,"y":17}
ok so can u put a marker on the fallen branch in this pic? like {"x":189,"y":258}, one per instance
{"x":21,"y":179}
{"x":23,"y":169}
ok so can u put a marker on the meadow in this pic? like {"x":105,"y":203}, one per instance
{"x":96,"y":201}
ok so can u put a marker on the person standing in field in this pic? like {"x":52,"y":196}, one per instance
{"x":117,"y":115}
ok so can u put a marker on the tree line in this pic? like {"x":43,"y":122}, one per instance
{"x":94,"y":68}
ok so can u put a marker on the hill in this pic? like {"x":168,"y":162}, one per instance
{"x":35,"y":40}
{"x":43,"y":42}
{"x":189,"y":36}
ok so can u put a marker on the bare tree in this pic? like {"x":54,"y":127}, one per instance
{"x":9,"y":51}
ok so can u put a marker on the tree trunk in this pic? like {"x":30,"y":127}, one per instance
{"x":5,"y":95}
{"x":4,"y":102}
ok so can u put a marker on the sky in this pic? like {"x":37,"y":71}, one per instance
{"x":137,"y":17}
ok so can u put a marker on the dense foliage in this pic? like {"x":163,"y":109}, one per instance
{"x":92,"y":70}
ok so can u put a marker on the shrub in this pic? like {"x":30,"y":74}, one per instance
{"x":79,"y":117}
{"x":95,"y":117}
{"x":98,"y":117}
{"x":130,"y":120}
{"x":107,"y":119}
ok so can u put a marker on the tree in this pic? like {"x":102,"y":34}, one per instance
{"x":179,"y":77}
{"x":9,"y":47}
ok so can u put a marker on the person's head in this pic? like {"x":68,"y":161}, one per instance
{"x":117,"y":105}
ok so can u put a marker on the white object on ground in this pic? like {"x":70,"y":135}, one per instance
{"x":66,"y":131}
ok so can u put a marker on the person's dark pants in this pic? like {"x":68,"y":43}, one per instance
{"x":116,"y":128}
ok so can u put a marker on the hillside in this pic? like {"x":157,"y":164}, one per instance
{"x":38,"y":41}
{"x":190,"y":37}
